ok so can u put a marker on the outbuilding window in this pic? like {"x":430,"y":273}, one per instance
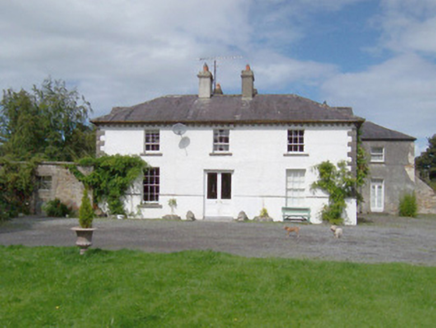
{"x":377,"y":154}
{"x":44,"y":182}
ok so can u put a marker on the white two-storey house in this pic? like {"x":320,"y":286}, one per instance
{"x":217,"y":155}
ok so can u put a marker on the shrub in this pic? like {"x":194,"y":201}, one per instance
{"x":408,"y":205}
{"x":264,"y":213}
{"x":86,"y":214}
{"x":55,"y":208}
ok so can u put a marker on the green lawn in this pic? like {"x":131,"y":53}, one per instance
{"x":56,"y":287}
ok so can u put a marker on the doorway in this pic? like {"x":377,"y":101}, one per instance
{"x":377,"y":195}
{"x":218,"y":194}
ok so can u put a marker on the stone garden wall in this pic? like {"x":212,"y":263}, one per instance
{"x":426,"y":198}
{"x":56,"y":181}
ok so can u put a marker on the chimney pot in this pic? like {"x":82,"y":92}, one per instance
{"x":218,"y":90}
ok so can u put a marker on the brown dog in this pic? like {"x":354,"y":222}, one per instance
{"x":289,"y":230}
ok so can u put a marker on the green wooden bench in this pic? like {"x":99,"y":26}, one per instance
{"x":296,"y":213}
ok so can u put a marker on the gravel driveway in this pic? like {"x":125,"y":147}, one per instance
{"x":377,"y":239}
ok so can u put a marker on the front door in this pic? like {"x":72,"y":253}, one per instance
{"x":377,"y":195}
{"x":218,"y":194}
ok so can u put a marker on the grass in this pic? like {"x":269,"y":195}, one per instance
{"x":56,"y":287}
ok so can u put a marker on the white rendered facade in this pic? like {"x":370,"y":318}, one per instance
{"x":255,"y":168}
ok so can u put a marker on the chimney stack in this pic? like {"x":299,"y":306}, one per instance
{"x":205,"y":82}
{"x":247,"y":76}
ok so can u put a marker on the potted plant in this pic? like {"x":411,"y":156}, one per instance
{"x":85,"y":231}
{"x":173,"y":204}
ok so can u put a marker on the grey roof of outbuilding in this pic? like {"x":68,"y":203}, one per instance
{"x":228,"y":109}
{"x":371,"y":131}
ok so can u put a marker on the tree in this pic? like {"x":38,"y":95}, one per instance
{"x":51,"y":122}
{"x":426,"y":163}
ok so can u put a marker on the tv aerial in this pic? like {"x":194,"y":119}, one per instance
{"x":179,"y":129}
{"x":215,"y":65}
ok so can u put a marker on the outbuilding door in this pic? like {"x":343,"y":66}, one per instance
{"x":218,"y":194}
{"x":377,"y":195}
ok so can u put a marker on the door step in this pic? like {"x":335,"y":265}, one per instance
{"x":218,"y":218}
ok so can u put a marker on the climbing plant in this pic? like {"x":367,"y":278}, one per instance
{"x":110,"y":178}
{"x":340,"y":184}
{"x":362,"y":167}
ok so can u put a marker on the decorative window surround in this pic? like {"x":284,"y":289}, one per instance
{"x":150,"y":205}
{"x":296,"y":154}
{"x":151,"y":154}
{"x":221,"y":154}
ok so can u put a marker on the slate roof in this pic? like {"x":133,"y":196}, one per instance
{"x":228,"y":109}
{"x":373,"y":132}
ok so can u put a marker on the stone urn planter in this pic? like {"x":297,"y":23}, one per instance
{"x":84,"y":238}
{"x":85,"y":231}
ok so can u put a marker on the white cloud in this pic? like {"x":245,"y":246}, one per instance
{"x":398,"y":94}
{"x":117,"y":52}
{"x":408,"y":25}
{"x":124,"y":52}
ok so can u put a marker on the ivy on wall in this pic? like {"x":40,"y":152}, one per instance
{"x":17,"y":183}
{"x":110,"y":178}
{"x":362,"y":167}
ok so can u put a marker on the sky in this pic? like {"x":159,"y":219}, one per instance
{"x":377,"y":56}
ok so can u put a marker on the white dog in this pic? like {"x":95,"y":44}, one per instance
{"x":337,"y":232}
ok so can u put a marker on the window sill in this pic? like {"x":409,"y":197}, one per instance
{"x":295,"y":154}
{"x":377,"y":162}
{"x":150,"y":205}
{"x":221,"y":154}
{"x":151,"y":154}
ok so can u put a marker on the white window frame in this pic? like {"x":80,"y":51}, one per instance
{"x":377,"y":154}
{"x":151,"y":141}
{"x":151,"y":186}
{"x":221,"y":140}
{"x":295,"y":141}
{"x":295,"y":187}
{"x":379,"y":195}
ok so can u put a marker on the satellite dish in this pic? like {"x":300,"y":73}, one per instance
{"x":184,"y":142}
{"x":179,"y":129}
